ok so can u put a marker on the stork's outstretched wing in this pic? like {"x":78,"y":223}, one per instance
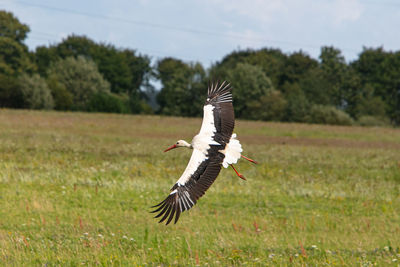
{"x":204,"y":164}
{"x":220,"y":98}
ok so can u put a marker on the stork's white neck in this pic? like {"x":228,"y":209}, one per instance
{"x":183,"y":143}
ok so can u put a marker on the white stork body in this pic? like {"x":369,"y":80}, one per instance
{"x":201,"y":144}
{"x":213,"y":147}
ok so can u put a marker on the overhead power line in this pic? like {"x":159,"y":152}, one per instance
{"x":174,"y":28}
{"x":43,"y":36}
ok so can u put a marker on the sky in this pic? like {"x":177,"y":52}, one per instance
{"x":208,"y":30}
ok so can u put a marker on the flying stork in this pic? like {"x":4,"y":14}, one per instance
{"x":213,"y":147}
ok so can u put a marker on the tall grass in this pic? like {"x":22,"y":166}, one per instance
{"x":76,"y":189}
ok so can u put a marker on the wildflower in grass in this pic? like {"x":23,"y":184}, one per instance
{"x":271,"y":256}
{"x":314,"y":247}
{"x":112,"y":234}
{"x":100,"y":235}
{"x":132,"y":239}
{"x":124,"y":237}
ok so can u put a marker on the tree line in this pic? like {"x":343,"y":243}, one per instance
{"x":79,"y":74}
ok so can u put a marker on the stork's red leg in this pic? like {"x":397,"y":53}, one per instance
{"x":251,"y":160}
{"x":238,"y":174}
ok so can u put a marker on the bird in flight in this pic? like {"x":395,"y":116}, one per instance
{"x":213,"y":147}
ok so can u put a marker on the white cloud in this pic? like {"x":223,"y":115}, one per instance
{"x":346,"y":10}
{"x":264,"y":12}
{"x":259,"y":10}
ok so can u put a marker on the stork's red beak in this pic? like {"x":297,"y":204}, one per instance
{"x":171,"y":147}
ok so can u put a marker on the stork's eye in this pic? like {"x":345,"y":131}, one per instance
{"x":177,"y":143}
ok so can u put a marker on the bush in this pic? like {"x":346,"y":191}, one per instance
{"x":10,"y":95}
{"x":373,"y":121}
{"x":35,"y":92}
{"x":63,"y":99}
{"x":249,"y":84}
{"x":269,"y":107}
{"x":81,"y":78}
{"x":108,"y":102}
{"x":328,"y":115}
{"x":146,"y":108}
{"x":298,"y":106}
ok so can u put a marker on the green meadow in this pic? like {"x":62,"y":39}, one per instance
{"x":76,"y":189}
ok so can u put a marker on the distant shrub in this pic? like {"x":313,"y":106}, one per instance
{"x":108,"y":102}
{"x":250,"y":83}
{"x":328,"y":115}
{"x":146,"y":108}
{"x":81,"y":79}
{"x":268,"y":107}
{"x":298,"y":106}
{"x":373,"y":121}
{"x":63,"y":99}
{"x":10,"y":95}
{"x":35,"y":92}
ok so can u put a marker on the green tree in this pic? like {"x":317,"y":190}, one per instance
{"x":126,"y":71}
{"x":270,"y":107}
{"x":352,"y":87}
{"x":297,"y":67}
{"x":14,"y":57}
{"x":271,"y":61}
{"x":109,"y":60}
{"x":333,"y":67}
{"x":35,"y":92}
{"x":63,"y":99}
{"x":249,"y":85}
{"x":167,"y":67}
{"x":44,"y":57}
{"x":298,"y":106}
{"x":141,"y":72}
{"x":315,"y":87}
{"x":108,"y":102}
{"x":380,"y":70}
{"x":122,"y":68}
{"x":10,"y":95}
{"x":368,"y":104}
{"x":184,"y":87}
{"x":80,"y":77}
{"x":12,"y":28}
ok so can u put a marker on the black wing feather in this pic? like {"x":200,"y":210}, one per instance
{"x":186,"y":195}
{"x":220,"y":96}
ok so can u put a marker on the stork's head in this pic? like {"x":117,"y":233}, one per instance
{"x":179,"y":143}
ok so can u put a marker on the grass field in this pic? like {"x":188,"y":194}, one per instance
{"x":76,"y":190}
